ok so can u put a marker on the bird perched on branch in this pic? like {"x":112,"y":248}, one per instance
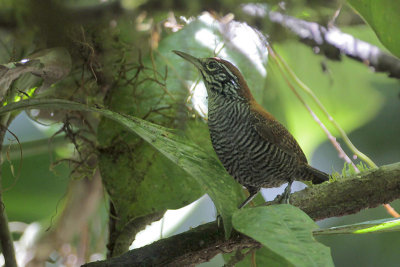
{"x":252,"y":145}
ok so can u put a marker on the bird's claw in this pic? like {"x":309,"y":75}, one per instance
{"x":219,"y":221}
{"x":285,"y":197}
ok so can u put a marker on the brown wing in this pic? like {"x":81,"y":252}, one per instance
{"x":272,"y":130}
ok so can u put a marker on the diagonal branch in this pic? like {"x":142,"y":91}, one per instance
{"x":329,"y":41}
{"x":333,"y":43}
{"x":336,"y":198}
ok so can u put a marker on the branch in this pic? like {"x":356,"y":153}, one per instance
{"x":121,"y":240}
{"x":198,"y":245}
{"x":333,"y":43}
{"x":6,"y":240}
{"x":350,"y":195}
{"x":8,"y":16}
{"x":336,"y":198}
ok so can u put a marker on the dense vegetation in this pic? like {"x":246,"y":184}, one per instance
{"x":104,"y":129}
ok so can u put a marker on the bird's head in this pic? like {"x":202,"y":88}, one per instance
{"x":221,"y":77}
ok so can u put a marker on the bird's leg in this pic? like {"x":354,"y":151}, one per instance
{"x":219,"y":222}
{"x":286,"y":194}
{"x":253,"y":192}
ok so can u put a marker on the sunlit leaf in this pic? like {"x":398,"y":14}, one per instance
{"x":383,"y":17}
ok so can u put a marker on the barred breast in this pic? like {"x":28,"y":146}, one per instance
{"x":249,"y":158}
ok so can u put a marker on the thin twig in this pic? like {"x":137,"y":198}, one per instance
{"x":282,"y":64}
{"x":342,"y":133}
{"x":16,"y":177}
{"x":331,"y":138}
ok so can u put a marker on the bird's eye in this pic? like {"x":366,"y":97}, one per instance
{"x":212,"y":66}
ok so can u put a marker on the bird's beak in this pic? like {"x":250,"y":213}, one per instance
{"x":194,"y":60}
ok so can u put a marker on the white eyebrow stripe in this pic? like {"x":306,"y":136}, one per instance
{"x":229,"y":72}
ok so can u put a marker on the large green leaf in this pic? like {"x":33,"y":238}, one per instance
{"x":205,"y":169}
{"x":286,"y":231}
{"x":384,"y":18}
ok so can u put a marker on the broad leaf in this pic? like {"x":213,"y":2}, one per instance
{"x":286,"y":231}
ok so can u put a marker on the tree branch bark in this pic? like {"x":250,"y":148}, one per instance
{"x":330,"y":41}
{"x":9,"y":21}
{"x":333,"y":43}
{"x":121,"y":240}
{"x":6,"y":240}
{"x":336,"y":198}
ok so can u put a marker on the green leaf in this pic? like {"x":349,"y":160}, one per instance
{"x":286,"y":231}
{"x":205,"y":169}
{"x":375,"y":226}
{"x":384,"y":18}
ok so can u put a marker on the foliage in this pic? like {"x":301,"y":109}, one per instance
{"x":383,"y":17}
{"x":286,"y":231}
{"x":103,"y":76}
{"x":349,"y":170}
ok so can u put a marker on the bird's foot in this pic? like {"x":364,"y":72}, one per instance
{"x":219,"y":221}
{"x":252,"y":193}
{"x":285,"y":197}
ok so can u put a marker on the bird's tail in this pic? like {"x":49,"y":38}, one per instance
{"x":314,"y":175}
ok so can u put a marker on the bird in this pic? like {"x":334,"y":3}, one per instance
{"x":254,"y":147}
